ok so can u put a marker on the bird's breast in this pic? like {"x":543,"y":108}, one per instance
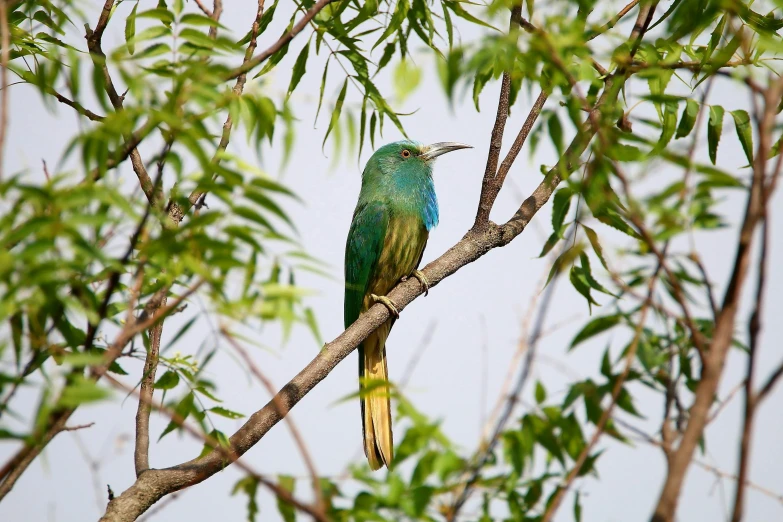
{"x":403,"y":245}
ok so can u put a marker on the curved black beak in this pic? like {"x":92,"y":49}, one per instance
{"x":436,"y":149}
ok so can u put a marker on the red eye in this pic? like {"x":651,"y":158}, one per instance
{"x":406,"y":153}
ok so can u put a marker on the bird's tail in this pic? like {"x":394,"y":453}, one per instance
{"x":376,"y":406}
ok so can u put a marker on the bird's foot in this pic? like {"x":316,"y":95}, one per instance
{"x":418,"y":274}
{"x":388,"y":303}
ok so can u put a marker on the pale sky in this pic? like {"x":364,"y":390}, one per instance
{"x":477,"y":315}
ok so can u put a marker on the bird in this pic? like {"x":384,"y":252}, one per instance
{"x":396,"y":211}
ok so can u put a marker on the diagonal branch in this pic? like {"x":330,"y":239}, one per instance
{"x":282,"y":41}
{"x":213,"y":443}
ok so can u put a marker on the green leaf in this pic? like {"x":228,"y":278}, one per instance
{"x":399,"y":15}
{"x":579,"y":282}
{"x":588,"y":275}
{"x":299,"y":69}
{"x":560,"y":206}
{"x":198,"y":20}
{"x":669,"y":125}
{"x":184,"y":408}
{"x":406,"y":78}
{"x":744,"y":132}
{"x":248,"y":485}
{"x":556,"y":133}
{"x":321,"y":93}
{"x":462,"y":13}
{"x":286,"y":510}
{"x":540,"y":392}
{"x":223,"y":412}
{"x":130,"y":29}
{"x":593,"y":238}
{"x":167,"y":381}
{"x":714,"y":130}
{"x":338,"y":107}
{"x":550,"y":243}
{"x":595,"y":327}
{"x":80,"y":391}
{"x":688,"y":119}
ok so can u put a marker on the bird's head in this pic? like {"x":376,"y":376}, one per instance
{"x":409,"y":156}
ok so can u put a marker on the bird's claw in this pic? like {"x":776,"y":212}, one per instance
{"x":418,"y":274}
{"x":387,"y":303}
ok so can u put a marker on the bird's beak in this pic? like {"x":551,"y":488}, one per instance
{"x":436,"y":149}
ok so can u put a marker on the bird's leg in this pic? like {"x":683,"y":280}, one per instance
{"x":418,"y":274}
{"x":388,"y":303}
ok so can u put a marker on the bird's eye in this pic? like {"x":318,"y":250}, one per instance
{"x":406,"y":153}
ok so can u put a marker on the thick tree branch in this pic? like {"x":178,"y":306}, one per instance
{"x":213,"y":443}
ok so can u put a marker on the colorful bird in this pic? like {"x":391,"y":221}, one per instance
{"x":397,"y":208}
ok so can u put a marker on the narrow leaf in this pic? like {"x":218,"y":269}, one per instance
{"x":595,"y":327}
{"x":714,"y":130}
{"x":338,"y":107}
{"x":744,"y":132}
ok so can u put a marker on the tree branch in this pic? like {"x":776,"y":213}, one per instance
{"x":213,"y":443}
{"x":283,"y":40}
{"x":723,"y":333}
{"x":99,"y":62}
{"x":5,"y":53}
{"x":554,"y":503}
{"x":198,"y":195}
{"x":488,"y":184}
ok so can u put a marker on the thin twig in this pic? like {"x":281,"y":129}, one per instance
{"x":5,"y":53}
{"x":600,"y":426}
{"x":510,"y":401}
{"x":203,"y":8}
{"x":283,"y":40}
{"x":751,"y":399}
{"x":198,"y":195}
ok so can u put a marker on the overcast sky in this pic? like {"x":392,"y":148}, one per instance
{"x":477,"y":316}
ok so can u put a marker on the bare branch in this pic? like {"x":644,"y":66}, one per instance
{"x":752,"y":399}
{"x":79,"y":427}
{"x":76,"y":106}
{"x":203,"y":8}
{"x":486,"y":199}
{"x":5,"y":54}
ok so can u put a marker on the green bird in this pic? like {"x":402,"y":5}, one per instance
{"x":397,"y":208}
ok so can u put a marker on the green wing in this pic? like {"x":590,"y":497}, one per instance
{"x":362,"y":251}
